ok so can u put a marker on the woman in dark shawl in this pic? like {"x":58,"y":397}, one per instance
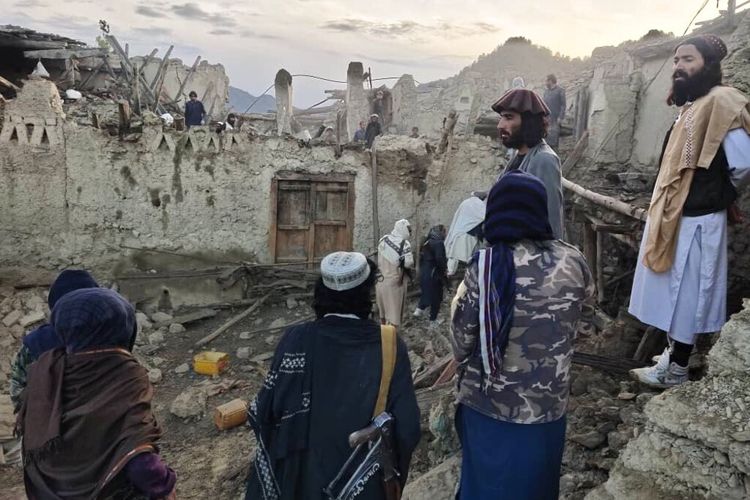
{"x":86,"y":418}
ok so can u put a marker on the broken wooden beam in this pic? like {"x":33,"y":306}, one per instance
{"x":187,"y":78}
{"x":9,"y":84}
{"x":606,"y":201}
{"x":431,"y":374}
{"x":232,"y":321}
{"x":576,"y":154}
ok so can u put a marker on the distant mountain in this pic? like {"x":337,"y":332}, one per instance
{"x":239,"y":100}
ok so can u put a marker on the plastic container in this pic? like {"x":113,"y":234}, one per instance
{"x":230,"y":414}
{"x":210,"y":362}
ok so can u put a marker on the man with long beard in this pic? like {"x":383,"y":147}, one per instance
{"x":680,"y":281}
{"x":523,"y":125}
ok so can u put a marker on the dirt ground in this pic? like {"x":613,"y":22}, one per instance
{"x":210,"y":463}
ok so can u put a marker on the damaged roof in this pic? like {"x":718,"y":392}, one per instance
{"x":24,"y":38}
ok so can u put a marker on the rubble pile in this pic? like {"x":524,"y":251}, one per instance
{"x":696,"y":438}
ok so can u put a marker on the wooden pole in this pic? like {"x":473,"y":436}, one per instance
{"x":606,"y":201}
{"x":187,"y":77}
{"x":232,"y":321}
{"x":576,"y":154}
{"x":731,"y":10}
{"x":600,"y":266}
{"x":375,"y":217}
{"x":589,"y":246}
{"x":159,"y":71}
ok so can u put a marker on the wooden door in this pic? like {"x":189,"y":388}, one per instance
{"x":313,"y":217}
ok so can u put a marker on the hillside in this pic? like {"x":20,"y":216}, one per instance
{"x":239,"y":100}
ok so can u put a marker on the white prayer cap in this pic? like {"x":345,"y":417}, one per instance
{"x":344,"y":270}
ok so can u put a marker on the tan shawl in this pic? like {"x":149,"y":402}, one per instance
{"x":693,"y":143}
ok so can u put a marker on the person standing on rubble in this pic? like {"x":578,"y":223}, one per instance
{"x":86,"y":420}
{"x":373,"y":130}
{"x":513,"y":322}
{"x":194,"y":111}
{"x":395,"y":261}
{"x":554,"y":98}
{"x":680,"y":282}
{"x":324,"y":383}
{"x":523,"y":126}
{"x":432,"y":274}
{"x":359,"y":134}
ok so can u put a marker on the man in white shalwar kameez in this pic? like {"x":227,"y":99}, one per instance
{"x":394,"y":259}
{"x":680,"y":282}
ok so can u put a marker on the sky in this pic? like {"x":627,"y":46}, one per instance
{"x":429,"y":39}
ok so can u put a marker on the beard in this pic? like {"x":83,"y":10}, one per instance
{"x":689,"y":88}
{"x":514,"y":140}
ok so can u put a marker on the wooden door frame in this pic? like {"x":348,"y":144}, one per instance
{"x":347,"y":179}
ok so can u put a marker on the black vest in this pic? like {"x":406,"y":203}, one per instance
{"x":711,"y":189}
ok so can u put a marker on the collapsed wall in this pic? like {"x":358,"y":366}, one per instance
{"x":91,"y":197}
{"x":696,"y":443}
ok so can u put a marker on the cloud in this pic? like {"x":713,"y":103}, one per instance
{"x":153,"y":31}
{"x":221,"y":31}
{"x":406,"y":28}
{"x":147,"y":11}
{"x":253,"y":34}
{"x":194,"y":12}
{"x":29,"y":4}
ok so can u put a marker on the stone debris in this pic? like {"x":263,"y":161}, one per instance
{"x":190,"y":403}
{"x":156,"y":338}
{"x":183,"y":368}
{"x":176,"y":328}
{"x":32,"y":318}
{"x":260,"y":358}
{"x":245,"y":335}
{"x":696,"y":440}
{"x":243,"y":352}
{"x":154,"y":375}
{"x":161,"y":317}
{"x":12,"y":318}
{"x":143,"y":322}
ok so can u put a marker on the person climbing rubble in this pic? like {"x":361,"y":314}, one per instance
{"x":680,"y":282}
{"x":513,"y":322}
{"x":324,"y":384}
{"x":395,"y":261}
{"x":432,"y":274}
{"x":373,"y":130}
{"x":554,"y":98}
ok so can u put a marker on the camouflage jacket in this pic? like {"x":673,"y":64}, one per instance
{"x":554,"y":290}
{"x":18,"y":374}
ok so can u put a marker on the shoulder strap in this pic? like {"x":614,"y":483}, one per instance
{"x":388,"y":345}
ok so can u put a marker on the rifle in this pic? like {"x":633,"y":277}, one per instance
{"x":376,"y":442}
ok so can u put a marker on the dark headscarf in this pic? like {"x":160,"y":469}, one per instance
{"x":94,"y":317}
{"x":436,"y":233}
{"x":516,"y":210}
{"x":86,"y":410}
{"x":44,"y":339}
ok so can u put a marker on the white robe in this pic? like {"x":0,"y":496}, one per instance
{"x":690,"y":298}
{"x":459,"y":245}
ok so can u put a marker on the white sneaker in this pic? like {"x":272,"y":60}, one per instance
{"x":418,"y":313}
{"x":663,"y":374}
